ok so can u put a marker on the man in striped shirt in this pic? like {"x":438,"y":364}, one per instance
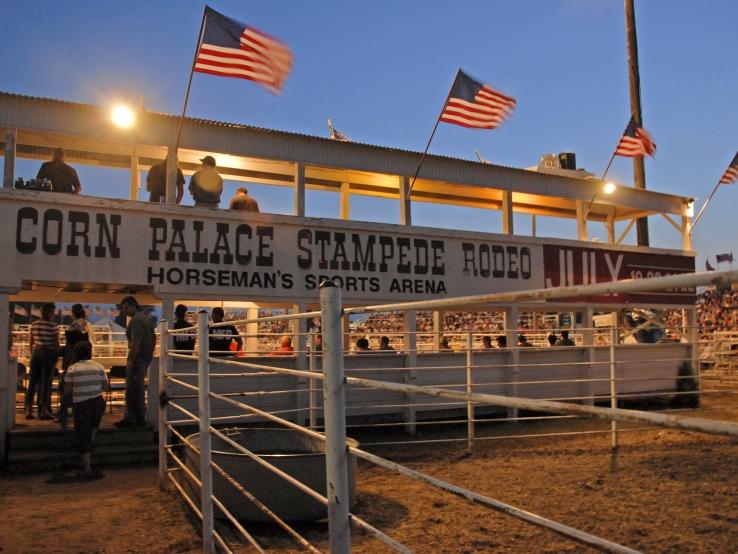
{"x":44,"y":345}
{"x":85,"y":382}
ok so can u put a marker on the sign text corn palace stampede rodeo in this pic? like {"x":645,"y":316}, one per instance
{"x":278,"y":257}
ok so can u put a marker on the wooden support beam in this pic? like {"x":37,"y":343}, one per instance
{"x":299,"y":183}
{"x":610,"y":225}
{"x":581,"y":221}
{"x":11,"y":138}
{"x":135,"y":176}
{"x":507,"y":213}
{"x":686,"y":231}
{"x":171,"y":183}
{"x":625,"y":231}
{"x":345,"y":200}
{"x":405,"y":206}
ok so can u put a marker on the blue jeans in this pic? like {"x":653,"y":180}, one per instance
{"x":43,"y":361}
{"x":135,"y":392}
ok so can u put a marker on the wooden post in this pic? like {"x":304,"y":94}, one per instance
{"x":252,"y":330}
{"x":405,"y":206}
{"x":11,"y":137}
{"x":610,"y":224}
{"x":135,"y":176}
{"x":508,"y":227}
{"x":171,"y":182}
{"x":639,"y":171}
{"x":686,"y":233}
{"x":345,"y":200}
{"x":437,"y":329}
{"x":581,"y":221}
{"x":299,"y":209}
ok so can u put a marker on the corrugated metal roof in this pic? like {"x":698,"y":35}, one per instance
{"x":153,"y":128}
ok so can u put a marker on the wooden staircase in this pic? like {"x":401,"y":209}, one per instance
{"x":49,"y":448}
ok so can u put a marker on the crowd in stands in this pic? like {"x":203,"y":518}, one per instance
{"x":717,"y":311}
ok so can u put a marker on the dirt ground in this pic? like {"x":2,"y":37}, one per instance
{"x":664,"y":491}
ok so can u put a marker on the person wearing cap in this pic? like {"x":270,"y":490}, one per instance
{"x":206,"y":185}
{"x":63,"y":177}
{"x":156,"y":182}
{"x":243,"y":202}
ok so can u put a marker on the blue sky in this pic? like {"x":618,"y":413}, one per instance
{"x":381,"y":70}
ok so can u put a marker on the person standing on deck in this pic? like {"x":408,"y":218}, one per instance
{"x":141,"y":343}
{"x":206,"y":185}
{"x":63,"y":177}
{"x":44,"y":346}
{"x":243,"y":202}
{"x":156,"y":182}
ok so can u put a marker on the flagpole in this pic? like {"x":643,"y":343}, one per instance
{"x":189,"y":83}
{"x":438,"y":120}
{"x":696,"y":219}
{"x":614,"y":152}
{"x":608,"y":166}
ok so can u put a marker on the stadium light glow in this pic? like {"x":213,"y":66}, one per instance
{"x":122,"y":116}
{"x":609,"y":188}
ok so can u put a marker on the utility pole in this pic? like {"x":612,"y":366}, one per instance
{"x":639,"y":171}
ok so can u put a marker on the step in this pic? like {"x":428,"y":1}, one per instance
{"x":59,"y":439}
{"x":35,"y":461}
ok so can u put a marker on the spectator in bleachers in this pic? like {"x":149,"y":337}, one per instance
{"x":486,"y":342}
{"x":362,"y":345}
{"x":565,"y":340}
{"x":384,"y":344}
{"x":523,"y":341}
{"x":285,"y":346}
{"x":501,"y":341}
{"x":551,"y":338}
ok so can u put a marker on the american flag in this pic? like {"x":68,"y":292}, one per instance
{"x":635,"y":142}
{"x":233,"y":49}
{"x":724,"y":258}
{"x":473,"y":104}
{"x":731,"y":174}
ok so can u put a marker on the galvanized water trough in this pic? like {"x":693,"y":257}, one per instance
{"x":298,"y":455}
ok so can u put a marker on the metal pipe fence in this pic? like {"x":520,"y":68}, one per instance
{"x":339,"y":383}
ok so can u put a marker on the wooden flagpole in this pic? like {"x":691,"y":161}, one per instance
{"x":438,"y":120}
{"x":189,"y":83}
{"x":696,"y":219}
{"x":614,"y":151}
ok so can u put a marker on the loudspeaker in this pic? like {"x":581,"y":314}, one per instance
{"x":568,"y":160}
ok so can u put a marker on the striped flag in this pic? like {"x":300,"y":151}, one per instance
{"x":233,"y":49}
{"x":636,"y":141}
{"x":731,"y":174}
{"x":724,"y":258}
{"x":473,"y":104}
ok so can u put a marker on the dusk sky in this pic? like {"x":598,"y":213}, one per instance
{"x":381,"y":70}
